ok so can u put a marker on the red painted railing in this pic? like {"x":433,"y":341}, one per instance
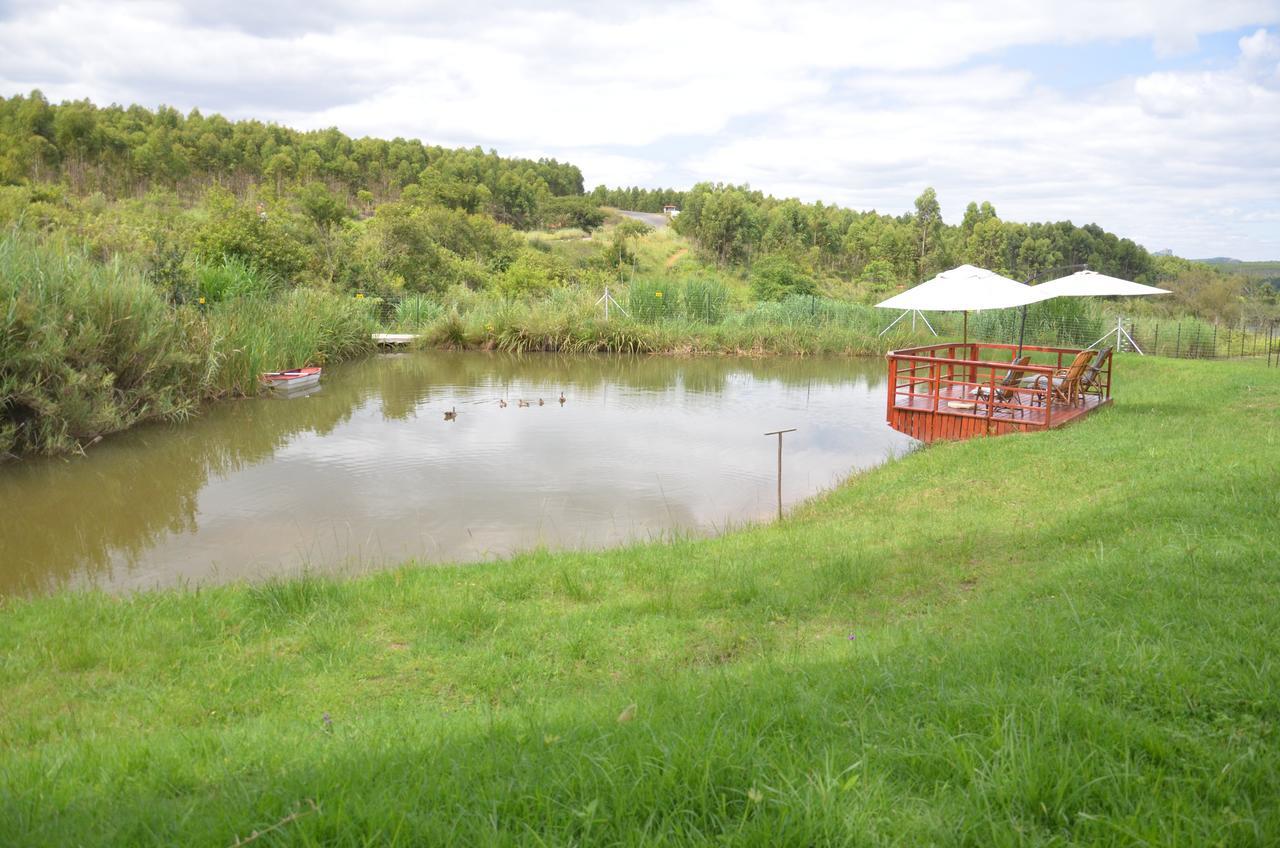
{"x":967,"y":380}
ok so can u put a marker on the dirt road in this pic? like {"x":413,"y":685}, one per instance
{"x":654,"y":219}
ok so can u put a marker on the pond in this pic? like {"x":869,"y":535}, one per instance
{"x":367,"y":471}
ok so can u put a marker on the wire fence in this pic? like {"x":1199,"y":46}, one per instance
{"x":1183,"y":339}
{"x":1187,"y":338}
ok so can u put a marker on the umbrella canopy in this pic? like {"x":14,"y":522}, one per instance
{"x":963,"y":289}
{"x":1092,"y":284}
{"x":1089,"y":284}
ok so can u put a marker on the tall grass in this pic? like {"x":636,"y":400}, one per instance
{"x":704,"y":299}
{"x":302,"y":327}
{"x":416,"y":311}
{"x":233,"y":277}
{"x":89,"y":348}
{"x":661,"y":316}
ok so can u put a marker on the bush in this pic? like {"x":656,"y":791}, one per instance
{"x":532,"y":273}
{"x":261,"y":238}
{"x":775,"y":277}
{"x":579,"y":212}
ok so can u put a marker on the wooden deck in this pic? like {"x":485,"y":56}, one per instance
{"x":941,"y":391}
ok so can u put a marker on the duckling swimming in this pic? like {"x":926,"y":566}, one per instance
{"x":522,"y":403}
{"x":540,"y":402}
{"x":502,"y":404}
{"x":451,"y":414}
{"x":562,"y":398}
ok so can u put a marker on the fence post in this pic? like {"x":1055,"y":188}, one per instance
{"x":1177,"y":350}
{"x":1242,"y":337}
{"x":1155,"y":345}
{"x":1214,"y":355}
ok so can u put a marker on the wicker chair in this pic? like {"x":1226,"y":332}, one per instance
{"x":1065,"y":383}
{"x":1091,"y":379}
{"x":1006,"y":391}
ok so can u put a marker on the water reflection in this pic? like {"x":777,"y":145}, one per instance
{"x":368,"y":471}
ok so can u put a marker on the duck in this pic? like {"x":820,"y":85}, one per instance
{"x":451,"y":414}
{"x":522,"y":403}
{"x":562,"y":398}
{"x":540,"y":403}
{"x":502,"y":404}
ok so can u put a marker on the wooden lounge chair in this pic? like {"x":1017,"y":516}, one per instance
{"x":1006,"y":391}
{"x":1091,"y":379}
{"x":1065,"y":383}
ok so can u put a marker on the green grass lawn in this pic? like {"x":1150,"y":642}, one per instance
{"x":1061,"y":638}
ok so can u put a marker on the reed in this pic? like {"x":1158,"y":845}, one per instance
{"x":89,"y":348}
{"x":692,"y":316}
{"x":302,"y":327}
{"x":233,"y":277}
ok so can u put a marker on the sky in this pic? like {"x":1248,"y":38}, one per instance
{"x":1157,"y":119}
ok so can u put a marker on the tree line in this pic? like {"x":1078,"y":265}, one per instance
{"x":798,"y":243}
{"x":126,"y":151}
{"x":735,"y":224}
{"x":401,"y":216}
{"x":637,"y":199}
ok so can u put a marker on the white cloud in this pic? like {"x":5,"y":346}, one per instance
{"x":862,"y":103}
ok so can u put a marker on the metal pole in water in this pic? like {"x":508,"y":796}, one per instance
{"x":779,"y":433}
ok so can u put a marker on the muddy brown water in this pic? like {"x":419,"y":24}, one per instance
{"x":367,"y":471}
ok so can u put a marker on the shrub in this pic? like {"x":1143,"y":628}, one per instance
{"x":775,"y":277}
{"x":578,"y":212}
{"x":532,"y":273}
{"x":259,"y":237}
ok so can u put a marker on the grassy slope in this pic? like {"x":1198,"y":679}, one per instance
{"x":1066,"y":637}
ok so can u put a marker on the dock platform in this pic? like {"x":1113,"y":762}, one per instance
{"x":394,"y":339}
{"x":954,"y":391}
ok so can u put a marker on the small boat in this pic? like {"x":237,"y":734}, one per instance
{"x":287,"y":382}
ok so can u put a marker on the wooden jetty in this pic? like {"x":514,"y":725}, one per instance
{"x":956,"y":391}
{"x":393,"y":339}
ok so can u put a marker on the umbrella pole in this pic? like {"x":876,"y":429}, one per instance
{"x":1022,"y":329}
{"x":966,"y":328}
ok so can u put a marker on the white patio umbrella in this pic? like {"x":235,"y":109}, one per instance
{"x":1091,"y":284}
{"x":961,"y":290}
